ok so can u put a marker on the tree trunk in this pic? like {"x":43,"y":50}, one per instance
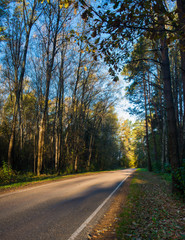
{"x":40,"y":146}
{"x":35,"y":155}
{"x":61,"y":107}
{"x":164,"y":157}
{"x":146,"y":127}
{"x":153,"y":133}
{"x":90,"y":153}
{"x":12,"y":139}
{"x":172,"y":125}
{"x":181,"y":16}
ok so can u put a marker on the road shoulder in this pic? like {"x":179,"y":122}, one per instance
{"x":106,"y":227}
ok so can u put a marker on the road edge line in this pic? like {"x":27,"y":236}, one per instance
{"x":84,"y":224}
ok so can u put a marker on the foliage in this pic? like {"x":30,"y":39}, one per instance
{"x":129,"y":158}
{"x":7,"y":175}
{"x":179,"y":174}
{"x":166,"y":176}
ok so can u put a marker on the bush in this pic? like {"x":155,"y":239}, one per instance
{"x":180,"y":177}
{"x":7,"y":175}
{"x":167,"y":168}
{"x":156,"y":167}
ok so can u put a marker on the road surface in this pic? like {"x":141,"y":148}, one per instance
{"x":61,"y":210}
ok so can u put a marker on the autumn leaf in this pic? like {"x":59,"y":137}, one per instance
{"x":66,"y":5}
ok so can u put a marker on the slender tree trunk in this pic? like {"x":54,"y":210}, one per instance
{"x":153,"y":133}
{"x":146,"y":127}
{"x":35,"y":154}
{"x":90,"y":153}
{"x":61,"y":108}
{"x":40,"y":146}
{"x":55,"y":134}
{"x":56,"y":151}
{"x":12,"y":139}
{"x":165,"y":159}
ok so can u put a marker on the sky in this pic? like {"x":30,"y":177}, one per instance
{"x":123,"y":103}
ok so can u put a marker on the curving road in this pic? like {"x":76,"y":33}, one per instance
{"x":62,"y":210}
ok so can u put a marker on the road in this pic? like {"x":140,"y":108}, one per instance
{"x":61,"y":210}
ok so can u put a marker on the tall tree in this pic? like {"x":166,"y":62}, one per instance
{"x":181,"y":24}
{"x":52,"y":17}
{"x":24,"y":18}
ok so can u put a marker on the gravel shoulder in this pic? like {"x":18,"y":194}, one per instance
{"x":106,"y":227}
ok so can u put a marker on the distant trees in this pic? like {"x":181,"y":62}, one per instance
{"x":128,"y":158}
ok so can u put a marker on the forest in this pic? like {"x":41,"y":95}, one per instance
{"x":62,"y":65}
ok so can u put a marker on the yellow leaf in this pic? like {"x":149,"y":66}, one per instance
{"x":61,"y":6}
{"x":66,"y":5}
{"x":75,"y":12}
{"x":85,"y":68}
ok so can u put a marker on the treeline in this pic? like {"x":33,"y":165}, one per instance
{"x":57,"y":101}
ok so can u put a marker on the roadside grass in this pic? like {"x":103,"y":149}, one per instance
{"x":151,"y":212}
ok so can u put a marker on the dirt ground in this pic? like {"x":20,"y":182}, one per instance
{"x":106,"y":228}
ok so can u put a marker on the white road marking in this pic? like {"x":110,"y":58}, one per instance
{"x":78,"y":231}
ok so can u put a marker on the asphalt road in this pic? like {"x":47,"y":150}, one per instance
{"x":61,"y":210}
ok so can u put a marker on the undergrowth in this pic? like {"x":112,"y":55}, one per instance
{"x":12,"y":179}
